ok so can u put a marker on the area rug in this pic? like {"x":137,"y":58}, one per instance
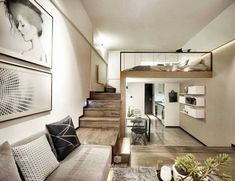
{"x":135,"y":174}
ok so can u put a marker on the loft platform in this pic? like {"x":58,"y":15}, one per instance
{"x":166,"y":64}
{"x":156,"y":74}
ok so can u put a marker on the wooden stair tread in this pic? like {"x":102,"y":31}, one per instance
{"x":99,"y":118}
{"x":104,"y":93}
{"x":101,"y":109}
{"x":104,"y":103}
{"x":105,"y":96}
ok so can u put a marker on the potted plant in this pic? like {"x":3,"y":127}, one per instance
{"x":186,"y":168}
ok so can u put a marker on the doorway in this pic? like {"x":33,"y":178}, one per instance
{"x":148,"y":102}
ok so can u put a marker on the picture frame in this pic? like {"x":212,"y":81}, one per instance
{"x":26,"y":31}
{"x":24,"y":91}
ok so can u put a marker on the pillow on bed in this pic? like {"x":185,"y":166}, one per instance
{"x":183,"y":62}
{"x":199,"y":67}
{"x":195,"y":62}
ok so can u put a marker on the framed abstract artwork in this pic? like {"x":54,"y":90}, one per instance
{"x":23,"y":91}
{"x":26,"y":31}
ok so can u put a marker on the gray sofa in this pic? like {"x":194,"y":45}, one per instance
{"x":85,"y":163}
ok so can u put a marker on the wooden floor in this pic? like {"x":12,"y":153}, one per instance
{"x":155,"y":156}
{"x":102,"y":136}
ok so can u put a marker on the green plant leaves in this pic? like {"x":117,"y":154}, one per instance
{"x":188,"y":166}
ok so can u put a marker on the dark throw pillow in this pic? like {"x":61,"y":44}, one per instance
{"x":8,"y":168}
{"x":63,"y":136}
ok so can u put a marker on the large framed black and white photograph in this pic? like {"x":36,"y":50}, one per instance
{"x":26,"y":31}
{"x":23,"y":91}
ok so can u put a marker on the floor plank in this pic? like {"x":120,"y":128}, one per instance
{"x":154,"y":156}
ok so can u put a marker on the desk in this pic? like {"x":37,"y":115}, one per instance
{"x":148,"y":124}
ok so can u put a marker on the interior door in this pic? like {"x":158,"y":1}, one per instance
{"x":148,"y":99}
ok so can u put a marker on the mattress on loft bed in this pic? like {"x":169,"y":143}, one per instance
{"x":184,"y":65}
{"x":170,"y":68}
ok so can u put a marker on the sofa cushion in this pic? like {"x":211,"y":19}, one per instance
{"x":8,"y":169}
{"x":87,"y":162}
{"x":35,"y":159}
{"x":64,"y":137}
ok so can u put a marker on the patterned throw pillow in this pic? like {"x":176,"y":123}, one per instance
{"x":64,"y":137}
{"x":35,"y":159}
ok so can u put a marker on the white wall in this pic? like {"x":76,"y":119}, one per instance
{"x":78,"y":15}
{"x":136,"y":90}
{"x":114,"y":69}
{"x":218,"y":127}
{"x":97,"y":61}
{"x":171,"y":108}
{"x":71,"y":80}
{"x":217,"y":32}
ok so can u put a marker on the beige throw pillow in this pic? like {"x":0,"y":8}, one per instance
{"x":195,"y":62}
{"x":8,"y":169}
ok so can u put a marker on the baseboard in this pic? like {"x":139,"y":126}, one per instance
{"x":192,"y":136}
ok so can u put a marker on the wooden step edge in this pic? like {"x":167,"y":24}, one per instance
{"x":103,"y":100}
{"x":124,"y":146}
{"x":102,"y":92}
{"x":99,"y":120}
{"x":101,"y":109}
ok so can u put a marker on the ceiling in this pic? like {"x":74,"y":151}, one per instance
{"x":160,"y":25}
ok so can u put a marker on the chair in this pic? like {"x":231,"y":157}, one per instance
{"x":138,"y":131}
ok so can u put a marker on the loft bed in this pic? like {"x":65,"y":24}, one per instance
{"x":178,"y":65}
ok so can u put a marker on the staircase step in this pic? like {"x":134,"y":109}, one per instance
{"x":101,"y":109}
{"x":98,"y":124}
{"x":103,"y":103}
{"x":101,"y":113}
{"x":105,"y":96}
{"x":110,"y":119}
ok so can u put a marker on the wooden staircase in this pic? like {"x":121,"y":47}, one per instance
{"x":102,"y":111}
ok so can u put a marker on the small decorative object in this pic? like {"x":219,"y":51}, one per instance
{"x":173,"y":96}
{"x":187,"y":168}
{"x":179,"y":50}
{"x":165,"y":173}
{"x":186,"y":89}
